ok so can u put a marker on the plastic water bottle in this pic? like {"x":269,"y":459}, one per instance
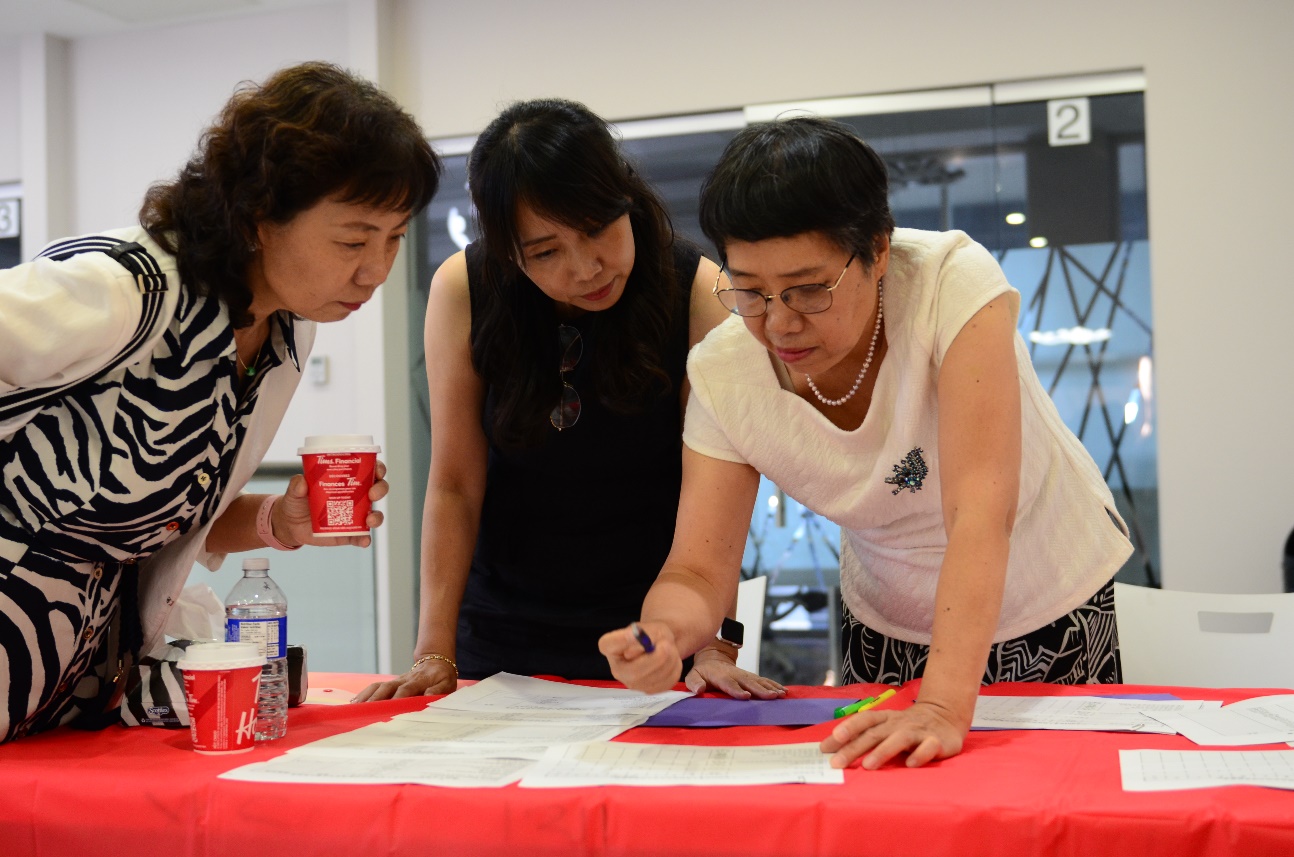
{"x":256,"y":611}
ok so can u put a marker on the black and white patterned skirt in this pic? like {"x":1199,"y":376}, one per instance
{"x":1081,"y":647}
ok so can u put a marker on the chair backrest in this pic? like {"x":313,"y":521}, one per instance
{"x":1201,"y":639}
{"x":750,"y":613}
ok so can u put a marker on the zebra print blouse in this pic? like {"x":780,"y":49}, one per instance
{"x":102,"y":478}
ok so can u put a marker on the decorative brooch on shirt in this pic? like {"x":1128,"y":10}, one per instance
{"x":909,"y":473}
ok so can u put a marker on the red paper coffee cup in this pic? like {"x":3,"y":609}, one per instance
{"x":339,"y":470}
{"x":221,"y":681}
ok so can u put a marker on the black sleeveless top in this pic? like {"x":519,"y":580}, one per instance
{"x":574,"y":532}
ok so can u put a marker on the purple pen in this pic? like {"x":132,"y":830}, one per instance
{"x":641,"y":636}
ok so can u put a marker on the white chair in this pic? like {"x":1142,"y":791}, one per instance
{"x":1200,"y":639}
{"x":750,"y":613}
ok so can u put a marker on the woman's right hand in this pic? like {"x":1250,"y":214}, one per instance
{"x":651,"y":672}
{"x":427,"y":679}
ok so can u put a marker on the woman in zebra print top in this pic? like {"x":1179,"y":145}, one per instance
{"x":124,"y":443}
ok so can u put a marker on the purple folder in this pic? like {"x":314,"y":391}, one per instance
{"x":708,"y":711}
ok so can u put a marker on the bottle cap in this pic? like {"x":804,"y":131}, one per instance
{"x":256,"y":563}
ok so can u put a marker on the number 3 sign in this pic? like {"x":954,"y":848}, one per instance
{"x":9,"y":223}
{"x":1069,"y":122}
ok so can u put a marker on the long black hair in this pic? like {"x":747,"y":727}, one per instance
{"x":561,"y":160}
{"x":309,"y":131}
{"x":788,"y":177}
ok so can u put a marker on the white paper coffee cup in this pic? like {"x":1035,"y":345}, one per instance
{"x":339,"y":469}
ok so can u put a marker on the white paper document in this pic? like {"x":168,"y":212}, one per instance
{"x":1261,"y":720}
{"x":540,"y":700}
{"x":428,"y":769}
{"x":556,"y":718}
{"x":674,"y":765}
{"x":465,"y":734}
{"x":1079,"y":713}
{"x":1163,"y":770}
{"x":487,"y":734}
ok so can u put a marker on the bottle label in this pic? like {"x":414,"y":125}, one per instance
{"x":270,"y":635}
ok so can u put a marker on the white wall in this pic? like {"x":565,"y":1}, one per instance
{"x":1217,"y":129}
{"x":10,"y":161}
{"x":142,"y":97}
{"x":140,"y":100}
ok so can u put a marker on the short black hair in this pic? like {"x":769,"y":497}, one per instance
{"x":792,"y":176}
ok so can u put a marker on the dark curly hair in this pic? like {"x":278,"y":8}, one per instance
{"x":804,"y":174}
{"x":561,"y":159}
{"x":308,"y":132}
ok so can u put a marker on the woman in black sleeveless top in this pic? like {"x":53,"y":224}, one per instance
{"x":556,"y":349}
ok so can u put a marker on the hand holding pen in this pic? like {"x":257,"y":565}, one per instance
{"x":643,"y":656}
{"x":641,"y":636}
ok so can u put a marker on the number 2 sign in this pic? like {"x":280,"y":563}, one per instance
{"x":1069,"y":122}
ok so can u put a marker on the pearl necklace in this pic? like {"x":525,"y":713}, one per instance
{"x":867,"y":364}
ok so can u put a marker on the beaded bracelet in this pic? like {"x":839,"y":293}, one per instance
{"x":435,"y":657}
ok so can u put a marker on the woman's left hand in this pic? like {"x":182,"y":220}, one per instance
{"x":290,"y":517}
{"x":925,"y":732}
{"x":712,"y":668}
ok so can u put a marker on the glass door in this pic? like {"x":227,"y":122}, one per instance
{"x":1050,"y":176}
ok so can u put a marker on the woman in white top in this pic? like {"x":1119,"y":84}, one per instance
{"x":876,"y":376}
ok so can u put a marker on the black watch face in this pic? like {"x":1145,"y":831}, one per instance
{"x":732,"y":631}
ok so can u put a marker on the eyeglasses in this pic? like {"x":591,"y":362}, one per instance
{"x":567,"y":412}
{"x":808,"y":299}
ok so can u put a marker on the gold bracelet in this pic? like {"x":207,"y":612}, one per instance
{"x":435,"y":657}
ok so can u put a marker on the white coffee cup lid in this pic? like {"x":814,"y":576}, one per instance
{"x":221,"y":656}
{"x":317,"y":443}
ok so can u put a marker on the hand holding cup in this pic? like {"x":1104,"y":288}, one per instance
{"x":331,"y":503}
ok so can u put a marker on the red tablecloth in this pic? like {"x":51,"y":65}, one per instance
{"x":144,"y":791}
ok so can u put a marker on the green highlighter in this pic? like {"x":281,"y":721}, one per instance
{"x":847,"y":710}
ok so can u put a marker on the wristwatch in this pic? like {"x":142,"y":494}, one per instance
{"x":732,"y":632}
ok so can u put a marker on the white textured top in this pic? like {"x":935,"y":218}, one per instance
{"x":1064,"y":546}
{"x":62,"y":321}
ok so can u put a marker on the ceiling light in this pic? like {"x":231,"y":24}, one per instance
{"x":1069,"y":336}
{"x":1038,"y":242}
{"x":1144,"y":372}
{"x":1015,"y":218}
